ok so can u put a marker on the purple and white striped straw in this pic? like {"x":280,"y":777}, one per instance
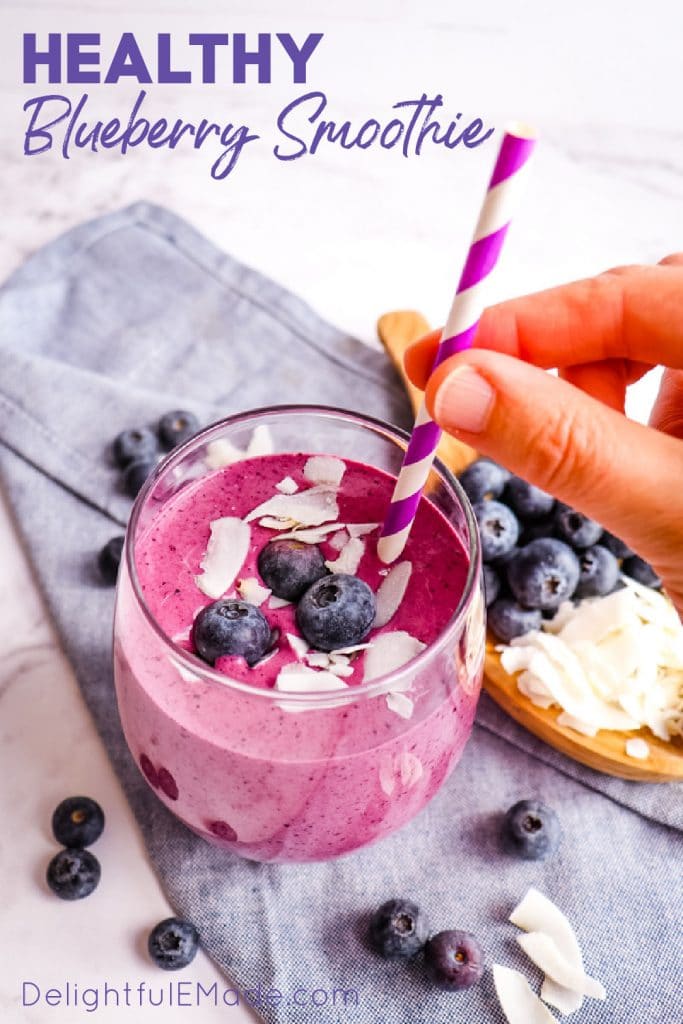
{"x":458,"y":334}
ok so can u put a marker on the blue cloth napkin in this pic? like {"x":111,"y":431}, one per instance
{"x":135,"y":313}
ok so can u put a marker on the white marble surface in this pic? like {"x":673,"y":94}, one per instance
{"x":356,"y":234}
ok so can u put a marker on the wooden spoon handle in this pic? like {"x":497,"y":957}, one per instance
{"x":397,"y":331}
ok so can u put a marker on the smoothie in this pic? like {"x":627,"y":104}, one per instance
{"x":298,"y":752}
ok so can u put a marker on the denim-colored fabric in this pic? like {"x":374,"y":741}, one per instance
{"x":133,"y":314}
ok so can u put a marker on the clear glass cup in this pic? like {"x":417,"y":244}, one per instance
{"x":315,"y":775}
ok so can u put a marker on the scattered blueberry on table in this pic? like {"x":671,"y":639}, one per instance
{"x":398,"y":929}
{"x":575,"y":528}
{"x":173,"y":944}
{"x":544,"y":573}
{"x":483,"y":479}
{"x":175,"y":427}
{"x":109,"y":559}
{"x":73,"y":874}
{"x":136,"y":444}
{"x":231,"y":627}
{"x":509,"y":619}
{"x":531,"y":830}
{"x":599,"y":572}
{"x":77,"y":822}
{"x":526,"y":501}
{"x":454,"y":960}
{"x":135,"y":476}
{"x":289,"y":567}
{"x":498,"y":528}
{"x":336,"y":611}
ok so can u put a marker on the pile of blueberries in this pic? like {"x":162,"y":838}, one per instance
{"x":75,"y":872}
{"x":136,"y":453}
{"x":454,"y":959}
{"x":538,"y":552}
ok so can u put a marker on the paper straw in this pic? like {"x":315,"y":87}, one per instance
{"x":458,"y":334}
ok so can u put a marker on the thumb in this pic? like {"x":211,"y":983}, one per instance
{"x":569,"y":444}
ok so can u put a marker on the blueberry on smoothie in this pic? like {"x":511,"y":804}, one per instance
{"x":483,"y":479}
{"x":176,"y":426}
{"x":73,"y":874}
{"x":599,"y":572}
{"x":508,"y":619}
{"x":398,"y":930}
{"x":640,"y":571}
{"x":531,"y":830}
{"x":336,"y":611}
{"x":289,"y":567}
{"x":526,"y":501}
{"x":232,"y":627}
{"x":491,"y":584}
{"x":173,"y":944}
{"x":77,"y":821}
{"x":454,"y":960}
{"x":138,"y":444}
{"x":136,"y":474}
{"x":544,"y":574}
{"x":498,"y":528}
{"x":575,"y":528}
{"x":109,"y":559}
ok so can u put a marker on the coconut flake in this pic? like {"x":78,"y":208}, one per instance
{"x":221,"y":452}
{"x":390,"y":651}
{"x":360,"y":529}
{"x":324,"y":469}
{"x":297,"y":678}
{"x":261,"y":442}
{"x":400,"y":704}
{"x":224,"y":556}
{"x":637,"y":748}
{"x":278,"y":602}
{"x":309,"y":508}
{"x":350,"y":650}
{"x":298,"y":645}
{"x":391,"y":592}
{"x":536,"y":913}
{"x":517,"y":1001}
{"x":339,"y":540}
{"x":287,"y":486}
{"x":543,"y":951}
{"x":314,"y":535}
{"x":252,"y":591}
{"x":349,"y":557}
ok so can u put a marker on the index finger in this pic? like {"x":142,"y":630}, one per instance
{"x":636,"y":314}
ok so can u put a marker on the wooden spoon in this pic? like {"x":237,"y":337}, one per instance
{"x":605,"y":752}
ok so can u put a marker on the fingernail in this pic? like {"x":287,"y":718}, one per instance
{"x":464,"y":401}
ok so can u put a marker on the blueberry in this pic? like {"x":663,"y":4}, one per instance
{"x":575,"y":528}
{"x":537,"y":528}
{"x":77,"y":822}
{"x":531,"y":830}
{"x":508,"y":619}
{"x":526,"y":501}
{"x":483,"y":479}
{"x":498,"y":528}
{"x":173,"y":944}
{"x":491,"y":584}
{"x":289,"y":567}
{"x":109,"y":559}
{"x":398,"y":930}
{"x":176,"y":426}
{"x":543,"y":574}
{"x":231,"y":627}
{"x":616,"y":546}
{"x":139,"y":444}
{"x":73,"y":874}
{"x":336,"y":611}
{"x":640,"y":571}
{"x":136,"y":474}
{"x":454,"y":960}
{"x":599,"y":572}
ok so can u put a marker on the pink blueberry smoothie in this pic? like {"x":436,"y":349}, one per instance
{"x":351,"y":756}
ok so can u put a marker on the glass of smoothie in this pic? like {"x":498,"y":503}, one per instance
{"x":285,"y":694}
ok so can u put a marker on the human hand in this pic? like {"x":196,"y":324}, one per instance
{"x":568,"y":434}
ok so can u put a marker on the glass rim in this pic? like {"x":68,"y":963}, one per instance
{"x":382,"y":684}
